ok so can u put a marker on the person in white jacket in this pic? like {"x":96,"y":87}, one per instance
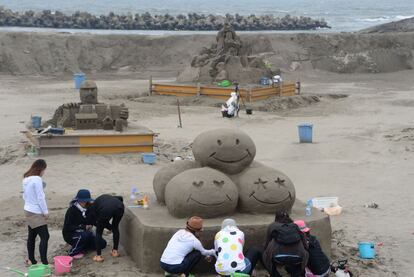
{"x":230,"y":108}
{"x":184,"y":249}
{"x":36,"y":211}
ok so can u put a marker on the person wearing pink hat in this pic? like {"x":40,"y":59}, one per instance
{"x":318,"y":262}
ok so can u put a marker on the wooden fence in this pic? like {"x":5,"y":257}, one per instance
{"x":249,"y":94}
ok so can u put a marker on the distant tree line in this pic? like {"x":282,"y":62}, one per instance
{"x":146,"y":21}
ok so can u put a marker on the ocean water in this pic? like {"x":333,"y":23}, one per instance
{"x":342,"y":15}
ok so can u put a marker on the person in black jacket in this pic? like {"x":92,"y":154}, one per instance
{"x":318,"y":262}
{"x":285,"y":246}
{"x":103,"y":209}
{"x":76,"y":230}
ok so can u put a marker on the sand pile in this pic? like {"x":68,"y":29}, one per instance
{"x":272,"y":104}
{"x":62,"y":53}
{"x":405,"y":25}
{"x":9,"y":153}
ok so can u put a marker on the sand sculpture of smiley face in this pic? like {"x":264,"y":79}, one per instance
{"x":227,"y":150}
{"x":205,"y":192}
{"x":165,"y":174}
{"x":264,"y":190}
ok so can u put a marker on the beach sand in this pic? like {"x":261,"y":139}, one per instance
{"x":362,"y":152}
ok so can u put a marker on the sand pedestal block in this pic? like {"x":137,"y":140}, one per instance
{"x":145,"y":233}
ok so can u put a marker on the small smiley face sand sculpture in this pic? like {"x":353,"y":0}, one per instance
{"x":204,"y":191}
{"x":227,"y":150}
{"x":227,"y":176}
{"x":264,"y":190}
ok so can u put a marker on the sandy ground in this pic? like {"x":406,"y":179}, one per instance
{"x":362,"y":152}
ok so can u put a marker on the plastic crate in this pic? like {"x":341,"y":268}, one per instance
{"x":324,"y":202}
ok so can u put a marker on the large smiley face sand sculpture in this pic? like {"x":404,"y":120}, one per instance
{"x":227,"y":150}
{"x":227,"y":176}
{"x":264,"y":190}
{"x":204,"y":191}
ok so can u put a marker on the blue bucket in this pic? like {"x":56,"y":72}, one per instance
{"x":366,"y":250}
{"x":149,"y":158}
{"x":36,"y":122}
{"x":264,"y":81}
{"x":78,"y":78}
{"x":305,"y":132}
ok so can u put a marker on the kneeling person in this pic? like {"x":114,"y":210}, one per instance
{"x":184,"y":249}
{"x":76,"y":230}
{"x":318,"y":262}
{"x":229,"y":243}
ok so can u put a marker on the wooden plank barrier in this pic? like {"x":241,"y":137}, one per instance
{"x":48,"y":144}
{"x":249,"y":95}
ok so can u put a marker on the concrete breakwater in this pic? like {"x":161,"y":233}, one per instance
{"x":146,"y":21}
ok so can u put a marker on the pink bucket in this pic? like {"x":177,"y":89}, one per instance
{"x":63,"y":264}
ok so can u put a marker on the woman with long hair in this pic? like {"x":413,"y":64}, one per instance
{"x":36,"y":211}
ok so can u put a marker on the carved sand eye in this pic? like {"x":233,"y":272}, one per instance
{"x":219,"y":142}
{"x":237,"y":141}
{"x":261,"y":182}
{"x":280,"y":182}
{"x":218,"y":183}
{"x":198,"y":184}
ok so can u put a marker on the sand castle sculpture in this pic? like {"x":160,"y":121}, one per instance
{"x":223,"y":179}
{"x":227,"y":59}
{"x":89,"y":113}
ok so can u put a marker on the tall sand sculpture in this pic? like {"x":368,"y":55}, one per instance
{"x":228,"y":58}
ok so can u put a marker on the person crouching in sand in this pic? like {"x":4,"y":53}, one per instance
{"x":103,"y":209}
{"x":318,"y":262}
{"x":229,"y":243}
{"x":184,"y":249}
{"x":76,"y":230}
{"x":36,"y":211}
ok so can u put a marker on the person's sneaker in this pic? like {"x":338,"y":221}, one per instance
{"x":78,"y":256}
{"x":98,"y":259}
{"x":115,"y":253}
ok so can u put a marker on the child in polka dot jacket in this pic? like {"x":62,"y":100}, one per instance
{"x":228,"y":244}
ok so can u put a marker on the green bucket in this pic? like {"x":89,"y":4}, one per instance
{"x":224,"y":83}
{"x":239,"y":274}
{"x":39,"y":270}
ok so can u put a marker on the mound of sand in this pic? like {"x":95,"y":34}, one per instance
{"x":63,"y":53}
{"x":405,"y":25}
{"x":272,"y":104}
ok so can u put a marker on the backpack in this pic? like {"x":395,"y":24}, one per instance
{"x":287,"y":233}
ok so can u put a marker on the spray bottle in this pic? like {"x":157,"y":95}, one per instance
{"x":133,"y":195}
{"x":308,"y":210}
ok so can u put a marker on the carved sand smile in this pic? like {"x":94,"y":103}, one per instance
{"x":209,"y":204}
{"x":231,"y":161}
{"x":271,"y":203}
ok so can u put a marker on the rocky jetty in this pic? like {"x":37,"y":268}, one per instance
{"x":146,"y":21}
